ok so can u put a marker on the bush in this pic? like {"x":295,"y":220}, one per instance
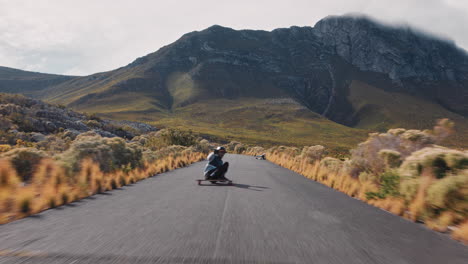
{"x":393,"y":146}
{"x":5,"y":148}
{"x":232,"y":145}
{"x":178,"y":137}
{"x":367,"y":177}
{"x":331,"y":163}
{"x":392,"y":158}
{"x":439,"y":160}
{"x":24,"y":160}
{"x":93,"y":116}
{"x":109,"y":153}
{"x":409,"y":188}
{"x":204,"y":146}
{"x":150,"y":156}
{"x":313,"y":153}
{"x":239,"y":149}
{"x":450,"y":192}
{"x":257,"y":150}
{"x":23,"y":122}
{"x":93,"y":123}
{"x":389,"y":182}
{"x":168,"y":137}
{"x":54,"y":144}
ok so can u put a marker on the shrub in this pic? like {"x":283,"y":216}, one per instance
{"x":367,"y":176}
{"x":23,"y":122}
{"x":24,"y":161}
{"x":395,"y":144}
{"x":109,"y":153}
{"x":313,"y":153}
{"x":54,"y":144}
{"x":409,"y":188}
{"x":392,"y":158}
{"x":93,"y":123}
{"x":439,"y":160}
{"x":232,"y":145}
{"x":331,"y":163}
{"x":5,"y":148}
{"x":257,"y":150}
{"x":150,"y":156}
{"x":204,"y":146}
{"x":177,"y":137}
{"x":7,"y":137}
{"x":5,"y":124}
{"x":443,"y":129}
{"x":240,"y":148}
{"x":389,"y":184}
{"x":93,"y":116}
{"x":167,"y":137}
{"x":449,"y":193}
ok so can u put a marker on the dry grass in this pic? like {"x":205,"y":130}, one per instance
{"x":418,"y":205}
{"x":461,"y":233}
{"x":51,"y":186}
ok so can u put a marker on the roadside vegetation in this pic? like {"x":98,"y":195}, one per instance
{"x":402,"y":171}
{"x":59,"y":156}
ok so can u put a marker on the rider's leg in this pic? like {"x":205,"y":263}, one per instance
{"x":220,"y":171}
{"x":209,"y":174}
{"x":223,"y":170}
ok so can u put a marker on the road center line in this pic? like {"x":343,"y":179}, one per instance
{"x":218,"y":236}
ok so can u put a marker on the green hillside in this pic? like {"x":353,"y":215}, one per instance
{"x":378,"y":110}
{"x":254,"y":121}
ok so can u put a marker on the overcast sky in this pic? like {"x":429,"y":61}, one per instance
{"x":80,"y":37}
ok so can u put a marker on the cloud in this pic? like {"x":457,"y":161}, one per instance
{"x":88,"y":36}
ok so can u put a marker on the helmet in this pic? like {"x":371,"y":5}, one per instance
{"x":220,"y":148}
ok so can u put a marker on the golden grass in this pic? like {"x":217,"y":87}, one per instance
{"x":51,"y":187}
{"x":417,"y":206}
{"x":442,"y":222}
{"x":461,"y":233}
{"x":8,"y":176}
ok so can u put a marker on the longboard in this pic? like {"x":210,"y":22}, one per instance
{"x":229,"y":182}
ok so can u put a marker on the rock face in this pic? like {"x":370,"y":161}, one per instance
{"x":312,"y":65}
{"x":398,"y":53}
{"x":33,"y":119}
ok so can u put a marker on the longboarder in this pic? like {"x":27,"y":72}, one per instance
{"x":216,"y":169}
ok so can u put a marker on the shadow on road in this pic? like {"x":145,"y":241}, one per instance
{"x":238,"y":185}
{"x":250,"y":187}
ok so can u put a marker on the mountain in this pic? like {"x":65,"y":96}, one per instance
{"x":18,"y":81}
{"x":287,"y":85}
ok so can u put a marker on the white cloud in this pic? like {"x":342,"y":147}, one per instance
{"x":87,"y":36}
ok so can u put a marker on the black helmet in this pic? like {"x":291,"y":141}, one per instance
{"x":220,"y":148}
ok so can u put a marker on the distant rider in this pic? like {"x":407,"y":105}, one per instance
{"x":216,"y":168}
{"x":261,"y":157}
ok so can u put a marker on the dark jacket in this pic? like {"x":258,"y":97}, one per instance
{"x":214,"y":162}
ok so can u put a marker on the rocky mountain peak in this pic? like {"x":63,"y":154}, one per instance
{"x":400,"y":52}
{"x":312,"y":65}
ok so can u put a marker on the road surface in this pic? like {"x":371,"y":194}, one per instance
{"x":270,"y":215}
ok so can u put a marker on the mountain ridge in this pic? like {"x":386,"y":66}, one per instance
{"x":314,"y":66}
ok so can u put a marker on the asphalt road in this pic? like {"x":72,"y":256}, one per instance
{"x":270,"y":215}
